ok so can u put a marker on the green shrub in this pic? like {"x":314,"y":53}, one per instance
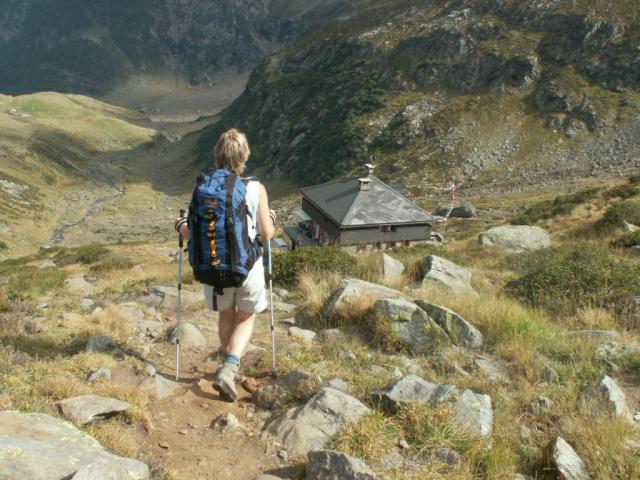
{"x":33,"y":282}
{"x":623,"y":191}
{"x":86,"y":254}
{"x":113,"y":262}
{"x":562,"y":205}
{"x":563,"y":279}
{"x":315,"y":260}
{"x":627,"y":211}
{"x":628,"y":240}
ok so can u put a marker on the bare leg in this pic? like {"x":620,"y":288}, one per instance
{"x":241,"y":333}
{"x":226,"y":324}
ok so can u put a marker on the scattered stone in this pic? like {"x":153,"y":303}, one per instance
{"x":100,"y":373}
{"x":466,"y":210}
{"x":312,"y":426}
{"x":474,"y":411}
{"x":305,"y":336}
{"x":392,"y":269}
{"x":86,"y":408}
{"x":28,"y":438}
{"x":189,"y":336}
{"x":614,"y":350}
{"x":87,"y":304}
{"x":226,"y":422}
{"x":169,"y":298}
{"x":443,"y":272}
{"x":394,"y":460}
{"x":338,"y":384}
{"x":294,"y":384}
{"x":445,"y":393}
{"x":332,"y":335}
{"x":332,"y":465}
{"x":595,"y":335}
{"x":288,"y":321}
{"x":284,"y":307}
{"x":459,"y":330}
{"x":605,"y":395}
{"x":131,"y":311}
{"x":47,"y":264}
{"x":447,"y":456}
{"x":630,"y":227}
{"x":79,"y":286}
{"x":160,"y":386}
{"x":150,"y":370}
{"x":150,"y":328}
{"x":42,"y":306}
{"x":494,"y":370}
{"x":281,"y":292}
{"x":411,"y":324}
{"x":34,"y":326}
{"x":549,"y":374}
{"x":566,"y":460}
{"x":353,"y":290}
{"x":456,"y":369}
{"x":403,"y":444}
{"x":516,"y":238}
{"x":100,"y":344}
{"x":409,"y":389}
{"x":541,"y":405}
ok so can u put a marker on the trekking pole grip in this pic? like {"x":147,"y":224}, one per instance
{"x":182,"y":212}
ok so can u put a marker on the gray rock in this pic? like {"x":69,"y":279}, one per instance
{"x":86,"y":408}
{"x":36,"y":325}
{"x":474,"y":411}
{"x":409,"y":389}
{"x":595,"y":335}
{"x":332,"y":465}
{"x":338,"y":384}
{"x":105,"y":470}
{"x":541,"y":405}
{"x":447,"y":456}
{"x":493,"y":369}
{"x":100,"y":373}
{"x":100,"y":344}
{"x":189,"y":336}
{"x":288,"y":321}
{"x":150,"y":328}
{"x":284,"y":307}
{"x":516,"y":238}
{"x":411,"y":324}
{"x":150,"y":370}
{"x":445,"y":393}
{"x":294,"y":384}
{"x":305,"y":336}
{"x":226,"y":422}
{"x":443,"y":272}
{"x":392,"y":269}
{"x":466,"y":210}
{"x":80,"y":286}
{"x":394,"y":460}
{"x":169,"y":298}
{"x":351,"y":290}
{"x":630,"y":227}
{"x":28,"y":438}
{"x":281,"y":292}
{"x":312,"y":426}
{"x":332,"y":335}
{"x":606,"y":395}
{"x":460,"y":331}
{"x":87,"y":304}
{"x":131,"y":311}
{"x":567,"y":461}
{"x":614,"y":350}
{"x":160,"y":386}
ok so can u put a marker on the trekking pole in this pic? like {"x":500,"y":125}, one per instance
{"x":178,"y":326}
{"x":274,"y":371}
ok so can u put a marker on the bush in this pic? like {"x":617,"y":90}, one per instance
{"x":113,"y":262}
{"x":86,"y":254}
{"x":628,"y":211}
{"x":564,"y":279}
{"x":286,"y":266}
{"x":627,"y":241}
{"x":31,"y":282}
{"x":562,"y":205}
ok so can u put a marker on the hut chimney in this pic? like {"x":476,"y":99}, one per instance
{"x":369,"y":168}
{"x":365,"y":184}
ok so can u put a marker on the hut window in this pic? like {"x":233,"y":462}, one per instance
{"x":388,"y":228}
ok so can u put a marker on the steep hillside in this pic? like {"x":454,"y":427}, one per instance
{"x":53,"y":149}
{"x":85,"y":46}
{"x":499,"y":93}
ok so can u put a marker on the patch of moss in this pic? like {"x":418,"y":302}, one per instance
{"x":87,"y":254}
{"x":33,"y":282}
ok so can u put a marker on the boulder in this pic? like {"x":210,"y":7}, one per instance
{"x":159,"y":386}
{"x":409,"y":389}
{"x":28,"y":438}
{"x":541,"y":405}
{"x":305,"y":336}
{"x":131,"y":311}
{"x":411,"y":324}
{"x":516,"y":238}
{"x":189,"y":336}
{"x":570,"y":466}
{"x":100,"y":344}
{"x":294,"y":384}
{"x":100,"y":373}
{"x":474,"y":411}
{"x":392,"y":269}
{"x":86,"y":408}
{"x":460,"y":331}
{"x":495,"y":370}
{"x":332,"y":465}
{"x":338,"y":384}
{"x":351,"y":290}
{"x":312,"y":426}
{"x":80,"y":287}
{"x":607,"y":396}
{"x":443,"y":272}
{"x":466,"y":210}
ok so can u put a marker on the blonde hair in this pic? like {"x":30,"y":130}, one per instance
{"x":232,"y":151}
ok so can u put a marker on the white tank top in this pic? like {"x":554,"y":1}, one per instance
{"x":253,"y":201}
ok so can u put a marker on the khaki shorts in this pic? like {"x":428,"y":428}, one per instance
{"x":251,"y":297}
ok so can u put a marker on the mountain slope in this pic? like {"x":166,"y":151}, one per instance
{"x":481,"y":91}
{"x":88,"y":46}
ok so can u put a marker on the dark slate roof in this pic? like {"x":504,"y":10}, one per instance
{"x":348,"y":206}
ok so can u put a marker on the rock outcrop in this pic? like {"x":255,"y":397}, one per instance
{"x":516,"y":238}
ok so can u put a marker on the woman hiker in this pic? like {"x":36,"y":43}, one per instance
{"x":238,"y":306}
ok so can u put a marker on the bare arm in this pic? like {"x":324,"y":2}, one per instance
{"x":266,"y":217}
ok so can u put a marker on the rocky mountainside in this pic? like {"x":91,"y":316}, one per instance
{"x":85,"y":46}
{"x":487,"y":92}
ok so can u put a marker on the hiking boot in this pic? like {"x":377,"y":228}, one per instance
{"x":225,"y":382}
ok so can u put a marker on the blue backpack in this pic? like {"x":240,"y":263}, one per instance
{"x":220,"y":250}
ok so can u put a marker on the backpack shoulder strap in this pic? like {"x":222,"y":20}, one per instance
{"x":233,"y":247}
